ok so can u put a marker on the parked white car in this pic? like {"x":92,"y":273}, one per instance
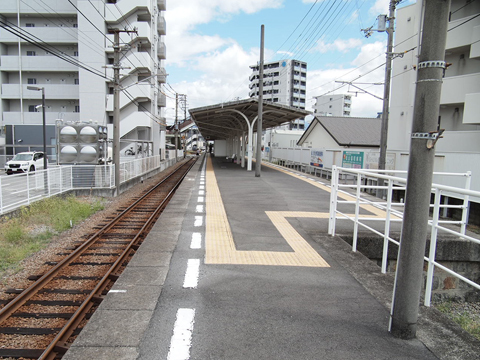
{"x":25,"y":162}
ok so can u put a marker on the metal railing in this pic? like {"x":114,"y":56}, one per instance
{"x":23,"y":189}
{"x":389,"y":212}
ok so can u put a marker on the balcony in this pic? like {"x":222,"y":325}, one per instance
{"x":455,"y":88}
{"x":161,"y":25}
{"x":61,"y":7}
{"x":162,"y":76}
{"x":161,"y":5}
{"x":122,"y":9}
{"x":48,"y":63}
{"x":137,"y":60}
{"x":52,"y":91}
{"x":161,"y":50}
{"x":34,"y":118}
{"x":140,"y":93}
{"x":48,"y":34}
{"x":161,"y":100}
{"x":462,"y":35}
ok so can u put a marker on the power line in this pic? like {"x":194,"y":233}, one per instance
{"x":32,"y":39}
{"x":86,"y":18}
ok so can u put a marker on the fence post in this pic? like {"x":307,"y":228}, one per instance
{"x":1,"y":197}
{"x":433,"y":247}
{"x":28,"y":188}
{"x":357,"y":209}
{"x":386,"y":234}
{"x":466,"y":199}
{"x":333,"y":201}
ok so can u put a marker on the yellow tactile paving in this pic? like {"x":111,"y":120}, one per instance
{"x":374,"y":210}
{"x":220,"y":247}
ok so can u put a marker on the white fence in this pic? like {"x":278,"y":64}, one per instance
{"x":23,"y":189}
{"x":387,"y":212}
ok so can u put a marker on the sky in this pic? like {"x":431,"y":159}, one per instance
{"x":211,"y":44}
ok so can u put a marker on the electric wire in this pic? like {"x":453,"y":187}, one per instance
{"x":52,"y":11}
{"x":32,"y":39}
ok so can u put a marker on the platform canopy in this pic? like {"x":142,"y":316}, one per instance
{"x":222,"y":121}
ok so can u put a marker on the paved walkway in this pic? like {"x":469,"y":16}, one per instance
{"x":240,"y":267}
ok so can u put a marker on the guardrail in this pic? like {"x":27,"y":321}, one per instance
{"x":23,"y":189}
{"x":389,"y":211}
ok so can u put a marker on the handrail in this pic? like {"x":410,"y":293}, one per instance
{"x":388,"y":208}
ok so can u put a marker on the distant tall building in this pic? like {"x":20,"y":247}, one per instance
{"x":284,"y":82}
{"x":81,"y":88}
{"x":333,"y":105}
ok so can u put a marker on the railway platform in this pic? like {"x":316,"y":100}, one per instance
{"x":241,"y":267}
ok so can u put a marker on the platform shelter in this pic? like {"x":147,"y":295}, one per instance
{"x":234,"y":122}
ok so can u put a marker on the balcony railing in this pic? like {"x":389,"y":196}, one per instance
{"x":35,"y":63}
{"x":52,"y":91}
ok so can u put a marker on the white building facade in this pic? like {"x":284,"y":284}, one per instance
{"x":459,"y":149}
{"x":81,"y":32}
{"x":333,"y":105}
{"x":284,"y":82}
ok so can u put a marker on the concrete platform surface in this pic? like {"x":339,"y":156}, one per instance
{"x":241,"y":267}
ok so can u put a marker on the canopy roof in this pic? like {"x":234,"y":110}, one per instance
{"x":225,"y":120}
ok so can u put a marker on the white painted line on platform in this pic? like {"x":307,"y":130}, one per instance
{"x":117,"y":291}
{"x":196,"y":241}
{"x":201,"y":192}
{"x":198,"y":221}
{"x":199,"y":209}
{"x":201,"y":199}
{"x":192,"y":274}
{"x":202,"y":187}
{"x":181,"y":341}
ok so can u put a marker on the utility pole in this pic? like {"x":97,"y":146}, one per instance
{"x":386,"y":91}
{"x":430,"y":69}
{"x":176,"y":127}
{"x":258,"y":164}
{"x":116,"y":104}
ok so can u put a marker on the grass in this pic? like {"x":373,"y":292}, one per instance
{"x":468,"y":321}
{"x":34,"y":226}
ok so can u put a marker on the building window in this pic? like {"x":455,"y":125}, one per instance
{"x":75,"y":53}
{"x":31,"y":81}
{"x":329,"y":106}
{"x":76,"y":81}
{"x":77,"y":109}
{"x":110,"y":119}
{"x":75,"y":25}
{"x":31,"y":53}
{"x":30,"y":25}
{"x":32,"y":108}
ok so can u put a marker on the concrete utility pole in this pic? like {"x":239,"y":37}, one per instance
{"x":386,"y":88}
{"x":116,"y":109}
{"x":116,"y":104}
{"x":258,"y":164}
{"x":431,"y":65}
{"x":176,"y":127}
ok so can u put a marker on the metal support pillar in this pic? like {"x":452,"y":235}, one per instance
{"x":258,"y":164}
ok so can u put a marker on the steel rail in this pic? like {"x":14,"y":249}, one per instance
{"x":68,"y":329}
{"x":33,"y":289}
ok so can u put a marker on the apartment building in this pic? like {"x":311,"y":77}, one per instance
{"x":284,"y":82}
{"x":459,"y":149}
{"x":79,"y":86}
{"x":333,"y":105}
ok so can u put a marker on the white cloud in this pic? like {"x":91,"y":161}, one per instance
{"x":371,"y":56}
{"x":380,"y":8}
{"x":338,"y":45}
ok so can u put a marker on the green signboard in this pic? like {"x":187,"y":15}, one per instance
{"x":352,"y":159}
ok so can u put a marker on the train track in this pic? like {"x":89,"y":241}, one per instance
{"x":42,"y":321}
